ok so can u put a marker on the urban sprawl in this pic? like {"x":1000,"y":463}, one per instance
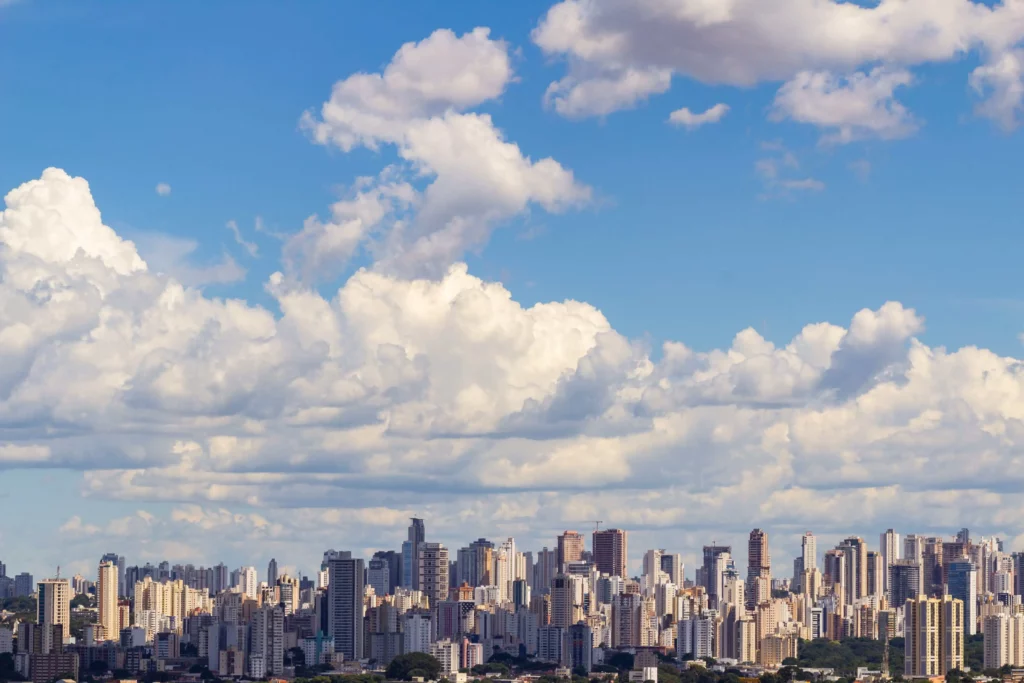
{"x":564,"y":612}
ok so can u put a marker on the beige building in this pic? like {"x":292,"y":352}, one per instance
{"x":53,"y":609}
{"x":934,"y":632}
{"x":1004,"y":640}
{"x":776,"y":648}
{"x":106,"y":601}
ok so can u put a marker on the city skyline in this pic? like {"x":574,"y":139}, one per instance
{"x":278,"y":280}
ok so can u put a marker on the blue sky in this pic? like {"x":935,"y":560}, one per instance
{"x":682,"y":237}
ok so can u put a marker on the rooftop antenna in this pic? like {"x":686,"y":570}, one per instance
{"x":58,"y":572}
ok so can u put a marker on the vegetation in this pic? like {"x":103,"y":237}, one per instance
{"x":81,"y":600}
{"x":346,"y":678}
{"x":846,"y":655}
{"x":414,"y":665}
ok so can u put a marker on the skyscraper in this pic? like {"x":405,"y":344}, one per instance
{"x":963,"y":586}
{"x":934,"y":643}
{"x":117,"y":561}
{"x":904,"y":582}
{"x":378,"y":575}
{"x":672,"y":565}
{"x":809,"y":551}
{"x":856,"y":580}
{"x":410,"y":553}
{"x":52,"y":609}
{"x":106,"y":600}
{"x":890,"y":549}
{"x":345,"y":604}
{"x":708,"y":571}
{"x":570,"y":548}
{"x":566,"y":600}
{"x":759,"y":582}
{"x":610,"y":552}
{"x":272,"y":572}
{"x":432,"y":564}
{"x":544,"y":570}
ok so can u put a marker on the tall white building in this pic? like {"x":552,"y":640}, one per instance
{"x":1004,"y":640}
{"x":106,"y":600}
{"x":695,"y":636}
{"x":53,"y":608}
{"x":416,"y":632}
{"x":268,"y":639}
{"x":890,"y":550}
{"x":809,"y":551}
{"x":447,"y":653}
{"x":248,"y":582}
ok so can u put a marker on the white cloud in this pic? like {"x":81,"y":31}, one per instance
{"x":448,"y":398}
{"x":175,"y":256}
{"x":608,"y":92}
{"x":685,"y":117}
{"x":477,"y":178}
{"x":746,"y":42}
{"x":251,"y":248}
{"x":852,"y":108}
{"x":1002,"y":81}
{"x":802,"y":184}
{"x":163,"y":189}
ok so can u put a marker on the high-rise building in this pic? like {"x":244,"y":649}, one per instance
{"x":475,"y":562}
{"x":432,"y":565}
{"x":890,"y":549}
{"x":544,"y":570}
{"x":267,"y":640}
{"x":117,"y":561}
{"x":570,"y":549}
{"x":106,"y":600}
{"x":711,"y":555}
{"x":876,"y":574}
{"x":809,"y":551}
{"x":566,"y":600}
{"x":23,"y":585}
{"x":248,"y":582}
{"x":378,"y":575}
{"x":610,"y":552}
{"x":1004,"y":640}
{"x":345,"y":604}
{"x":904,"y":582}
{"x":856,"y":580}
{"x":411,"y":552}
{"x":53,"y":609}
{"x":934,"y":637}
{"x":963,"y":586}
{"x":759,"y":574}
{"x":272,"y":572}
{"x":672,"y":565}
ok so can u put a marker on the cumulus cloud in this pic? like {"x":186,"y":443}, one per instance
{"x":163,"y":189}
{"x":475,"y":178}
{"x":851,"y":108}
{"x":447,"y":398}
{"x":747,"y":42}
{"x":1001,"y":80}
{"x":689,"y":119}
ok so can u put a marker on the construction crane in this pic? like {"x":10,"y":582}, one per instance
{"x":597,"y":524}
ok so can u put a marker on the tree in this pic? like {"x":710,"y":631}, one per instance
{"x":80,"y":600}
{"x":414,"y":664}
{"x":623,"y":661}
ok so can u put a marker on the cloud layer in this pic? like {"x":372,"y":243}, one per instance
{"x":446,"y":397}
{"x":620,"y":52}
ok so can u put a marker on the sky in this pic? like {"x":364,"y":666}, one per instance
{"x":275,"y":278}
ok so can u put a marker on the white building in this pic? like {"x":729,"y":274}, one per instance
{"x":447,"y":653}
{"x":416,"y":631}
{"x":695,"y":637}
{"x":1004,"y":640}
